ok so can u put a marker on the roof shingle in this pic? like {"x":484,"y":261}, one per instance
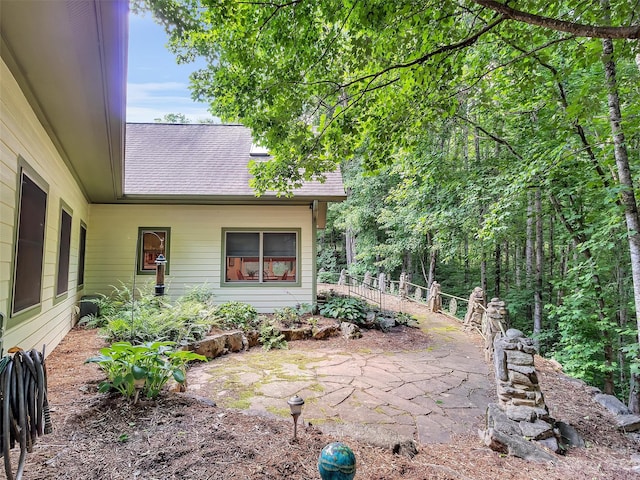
{"x":168,"y":160}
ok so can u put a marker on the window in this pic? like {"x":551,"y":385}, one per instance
{"x":29,"y":254}
{"x":257,"y":257}
{"x":64,"y":247}
{"x":82,"y":248}
{"x":152,"y":242}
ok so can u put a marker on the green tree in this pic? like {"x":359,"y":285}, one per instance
{"x":458,"y":116}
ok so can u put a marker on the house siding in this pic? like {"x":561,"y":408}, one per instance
{"x":195,"y":255}
{"x":23,"y":139}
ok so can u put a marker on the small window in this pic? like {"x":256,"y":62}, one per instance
{"x":29,"y":255}
{"x":64,"y":250}
{"x":257,"y":257}
{"x":152,"y":242}
{"x":82,"y":249}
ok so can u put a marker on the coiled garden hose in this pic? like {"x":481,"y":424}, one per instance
{"x":24,"y":412}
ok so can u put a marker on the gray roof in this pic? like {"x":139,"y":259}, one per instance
{"x":201,"y":162}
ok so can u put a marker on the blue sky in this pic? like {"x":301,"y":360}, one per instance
{"x":156,"y":84}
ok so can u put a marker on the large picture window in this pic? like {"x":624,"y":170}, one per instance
{"x":64,"y":250}
{"x":257,"y":257}
{"x":152,"y":242}
{"x":29,"y":254}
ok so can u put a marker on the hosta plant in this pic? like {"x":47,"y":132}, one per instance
{"x":134,"y":370}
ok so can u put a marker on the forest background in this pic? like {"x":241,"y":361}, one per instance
{"x":482,"y":144}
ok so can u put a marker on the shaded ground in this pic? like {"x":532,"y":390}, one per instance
{"x":180,"y":437}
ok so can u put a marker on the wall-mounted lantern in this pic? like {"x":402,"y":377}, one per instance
{"x":161,"y":264}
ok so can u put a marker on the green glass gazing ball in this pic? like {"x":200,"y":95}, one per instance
{"x":337,"y":462}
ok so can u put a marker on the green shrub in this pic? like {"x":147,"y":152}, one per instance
{"x":345,"y":308}
{"x":145,"y":369}
{"x":150,"y":318}
{"x":237,"y":315}
{"x":271,"y":336}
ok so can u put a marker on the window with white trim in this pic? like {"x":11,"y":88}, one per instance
{"x":261,"y":256}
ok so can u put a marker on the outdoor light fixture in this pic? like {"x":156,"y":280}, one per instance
{"x":295,"y":404}
{"x":161,"y":263}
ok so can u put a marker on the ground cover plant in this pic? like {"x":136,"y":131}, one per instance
{"x":140,"y":317}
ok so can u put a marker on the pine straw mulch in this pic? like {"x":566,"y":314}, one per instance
{"x":180,"y":437}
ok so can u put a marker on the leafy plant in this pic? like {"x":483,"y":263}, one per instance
{"x":237,"y":315}
{"x":288,"y":316}
{"x":149,"y":318}
{"x":271,"y":336}
{"x":346,"y":308}
{"x":145,"y":369}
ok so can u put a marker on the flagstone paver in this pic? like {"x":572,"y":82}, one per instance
{"x":426,"y":395}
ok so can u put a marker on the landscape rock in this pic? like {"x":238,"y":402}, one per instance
{"x":569,"y":435}
{"x":628,"y":423}
{"x":612,"y":404}
{"x":385,"y":323}
{"x":538,"y":430}
{"x":234,"y":341}
{"x":407,"y":448}
{"x":211,"y":347}
{"x":350,"y":330}
{"x":325,"y":332}
{"x":516,"y":446}
{"x":292,"y":334}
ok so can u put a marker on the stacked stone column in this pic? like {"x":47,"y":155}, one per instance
{"x":520,"y":423}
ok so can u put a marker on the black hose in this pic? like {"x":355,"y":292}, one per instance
{"x":24,"y":409}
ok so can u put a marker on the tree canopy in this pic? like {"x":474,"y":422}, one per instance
{"x":498,"y":139}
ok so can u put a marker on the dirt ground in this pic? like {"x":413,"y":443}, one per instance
{"x":99,"y":436}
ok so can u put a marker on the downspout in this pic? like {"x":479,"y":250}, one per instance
{"x":314,"y":251}
{"x":1,"y":335}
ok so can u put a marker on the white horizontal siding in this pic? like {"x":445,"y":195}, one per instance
{"x":195,"y":255}
{"x":22,"y":135}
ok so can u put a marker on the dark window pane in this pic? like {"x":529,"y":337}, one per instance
{"x":63,"y":253}
{"x":30,"y":247}
{"x":279,"y":244}
{"x":81,"y":253}
{"x":243,"y":244}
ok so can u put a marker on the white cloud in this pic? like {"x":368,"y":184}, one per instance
{"x":148,"y":101}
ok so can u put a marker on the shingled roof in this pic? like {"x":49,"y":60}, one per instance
{"x":201,"y":162}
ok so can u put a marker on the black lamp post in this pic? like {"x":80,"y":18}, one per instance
{"x":161,"y":263}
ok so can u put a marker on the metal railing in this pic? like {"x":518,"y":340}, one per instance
{"x":373,"y":290}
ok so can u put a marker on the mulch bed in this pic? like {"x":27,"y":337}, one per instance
{"x":99,"y":436}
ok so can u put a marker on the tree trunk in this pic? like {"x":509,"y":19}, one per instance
{"x":483,"y":276}
{"x":627,"y":195}
{"x":505,"y":277}
{"x":432,"y":267}
{"x":498,"y":258}
{"x":518,"y":267}
{"x":350,"y":246}
{"x":539,"y":254}
{"x":528,"y":252}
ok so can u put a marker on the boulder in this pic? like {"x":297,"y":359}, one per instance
{"x":292,"y":334}
{"x":350,"y":330}
{"x":569,"y":435}
{"x":211,"y":347}
{"x":234,"y":341}
{"x":385,"y":323}
{"x":325,"y":332}
{"x":538,"y":430}
{"x":612,"y":404}
{"x":628,"y":423}
{"x":516,"y":446}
